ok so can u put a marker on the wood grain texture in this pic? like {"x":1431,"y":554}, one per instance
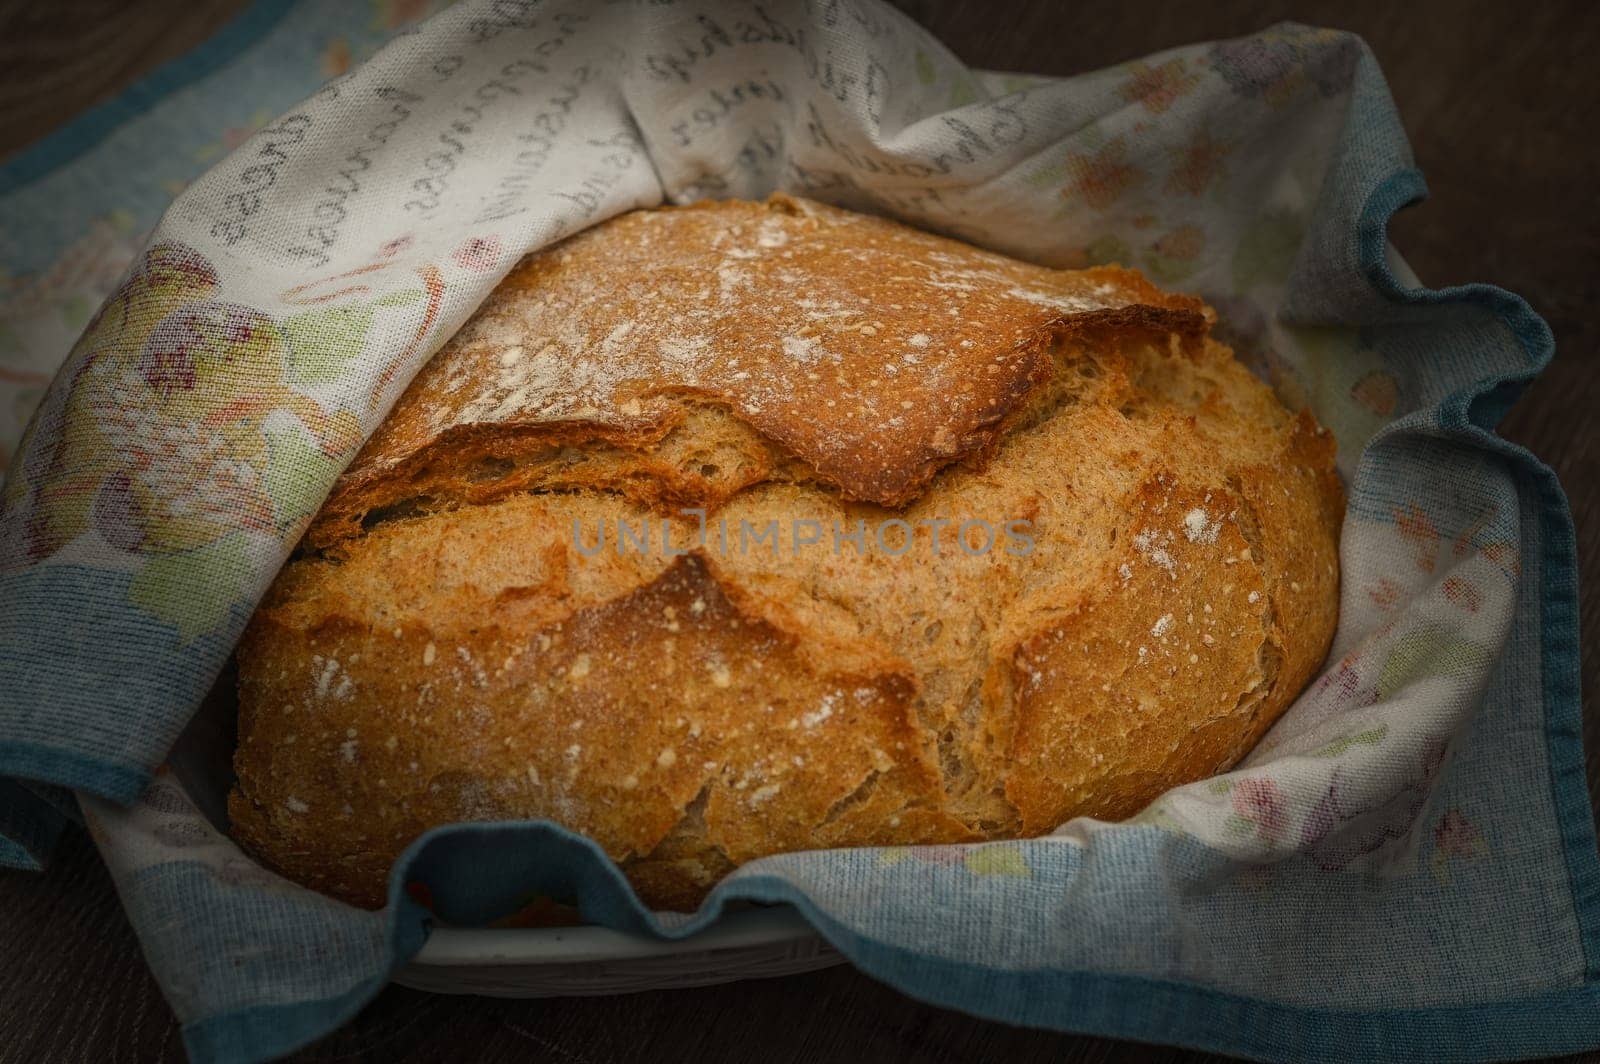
{"x":59,"y":58}
{"x":1499,"y":100}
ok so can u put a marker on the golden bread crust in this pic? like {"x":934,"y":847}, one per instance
{"x":442,"y":649}
{"x":815,"y":327}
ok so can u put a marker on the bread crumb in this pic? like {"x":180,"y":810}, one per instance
{"x":1162,"y":626}
{"x":720,"y":676}
{"x":429,"y":652}
{"x":579,"y":668}
{"x":295,"y":805}
{"x":667,"y":758}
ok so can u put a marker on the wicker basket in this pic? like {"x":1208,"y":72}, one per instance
{"x":586,"y":961}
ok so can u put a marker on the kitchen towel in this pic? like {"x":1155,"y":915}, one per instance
{"x":1406,"y":864}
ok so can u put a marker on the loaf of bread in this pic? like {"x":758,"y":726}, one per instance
{"x":742,"y":528}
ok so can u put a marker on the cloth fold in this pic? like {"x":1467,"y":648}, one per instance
{"x":1407,"y":862}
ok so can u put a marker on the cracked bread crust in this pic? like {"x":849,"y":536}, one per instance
{"x":440,"y":650}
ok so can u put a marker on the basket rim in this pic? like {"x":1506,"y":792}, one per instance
{"x":450,"y":947}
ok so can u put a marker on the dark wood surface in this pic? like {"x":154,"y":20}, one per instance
{"x":1500,"y":101}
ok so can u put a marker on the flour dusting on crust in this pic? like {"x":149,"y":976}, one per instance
{"x":808,"y":323}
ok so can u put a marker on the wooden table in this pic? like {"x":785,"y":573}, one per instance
{"x":1500,"y":101}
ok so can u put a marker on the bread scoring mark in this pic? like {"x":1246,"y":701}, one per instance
{"x":809,"y":323}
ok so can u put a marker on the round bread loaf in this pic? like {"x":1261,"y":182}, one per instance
{"x":743,"y":528}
